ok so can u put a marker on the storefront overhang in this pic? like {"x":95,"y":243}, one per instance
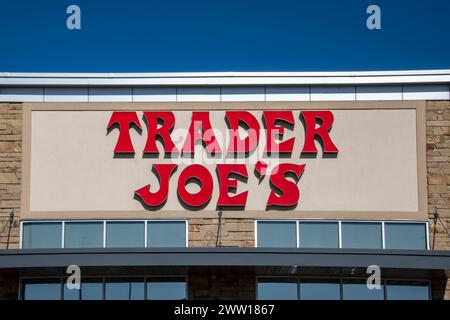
{"x":225,"y":257}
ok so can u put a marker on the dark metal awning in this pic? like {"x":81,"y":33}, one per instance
{"x":225,"y":257}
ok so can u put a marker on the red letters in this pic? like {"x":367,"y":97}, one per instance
{"x":154,"y":199}
{"x":201,"y":174}
{"x":200,"y":130}
{"x":270,"y":118}
{"x":289,"y":190}
{"x":163,"y":132}
{"x":200,"y":122}
{"x":289,"y":197}
{"x":248,"y":144}
{"x":283,"y":179}
{"x":224,"y":171}
{"x":322,"y":132}
{"x":124,"y":120}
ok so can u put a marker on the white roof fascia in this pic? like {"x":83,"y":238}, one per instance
{"x":225,"y":78}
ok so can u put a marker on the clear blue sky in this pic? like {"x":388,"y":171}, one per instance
{"x":227,"y":35}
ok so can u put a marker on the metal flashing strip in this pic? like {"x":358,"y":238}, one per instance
{"x":224,"y":78}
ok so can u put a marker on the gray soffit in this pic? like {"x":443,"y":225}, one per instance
{"x":245,"y":257}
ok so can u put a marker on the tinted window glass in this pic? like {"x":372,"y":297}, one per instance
{"x":125,"y":234}
{"x":124,"y":290}
{"x":319,"y":234}
{"x":91,"y":289}
{"x":71,"y":294}
{"x":320,"y":291}
{"x":277,"y":290}
{"x":277,"y":234}
{"x":405,"y":236}
{"x":360,"y":291}
{"x":364,"y":235}
{"x":83,"y":235}
{"x":42,"y":291}
{"x":166,"y":290}
{"x":407,"y":291}
{"x":166,"y":234}
{"x":42,"y":235}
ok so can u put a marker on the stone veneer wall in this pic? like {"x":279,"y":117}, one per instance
{"x":10,"y":171}
{"x":222,"y":284}
{"x":233,"y":233}
{"x":438,"y":167}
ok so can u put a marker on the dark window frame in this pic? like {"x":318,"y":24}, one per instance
{"x":104,"y":231}
{"x":425,"y":223}
{"x":61,"y":281}
{"x":302,"y":279}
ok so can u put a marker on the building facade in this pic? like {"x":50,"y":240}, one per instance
{"x":225,"y":185}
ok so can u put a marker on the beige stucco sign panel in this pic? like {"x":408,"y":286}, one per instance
{"x":71,"y":169}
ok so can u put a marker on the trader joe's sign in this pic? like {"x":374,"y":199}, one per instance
{"x":177,"y":162}
{"x":317,"y":126}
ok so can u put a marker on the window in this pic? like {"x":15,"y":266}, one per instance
{"x":320,"y":290}
{"x":407,"y":290}
{"x":336,"y":289}
{"x":166,"y":289}
{"x":41,"y":235}
{"x":405,"y":236}
{"x":125,"y":234}
{"x":91,"y":289}
{"x":122,"y":289}
{"x":353,"y":290}
{"x":277,"y":234}
{"x":71,"y":294}
{"x":83,"y":235}
{"x":366,"y":235}
{"x":277,"y":289}
{"x":166,"y":234}
{"x":92,"y":234}
{"x":109,"y":288}
{"x":342,"y":234}
{"x":319,"y":234}
{"x":41,"y":290}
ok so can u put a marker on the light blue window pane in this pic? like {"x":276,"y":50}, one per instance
{"x":83,"y":235}
{"x":319,"y":234}
{"x":42,"y":291}
{"x":406,"y":236}
{"x":92,"y":290}
{"x":360,"y":291}
{"x":268,"y":290}
{"x":166,"y":290}
{"x":125,"y":234}
{"x":407,"y":292}
{"x":277,"y":234}
{"x":320,"y":291}
{"x":71,"y":294}
{"x":166,"y":234}
{"x":363,"y":235}
{"x":42,"y":235}
{"x":125,"y":290}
